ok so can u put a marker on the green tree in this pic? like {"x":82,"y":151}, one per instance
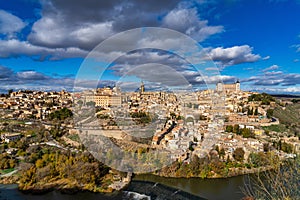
{"x":286,"y":147}
{"x":236,"y":129}
{"x":61,"y":114}
{"x":270,"y":113}
{"x":266,"y":147}
{"x":195,"y":165}
{"x":238,"y":154}
{"x":256,"y":111}
{"x":250,"y":111}
{"x":80,"y":102}
{"x":222,"y":153}
{"x":247,"y":133}
{"x":264,"y":98}
{"x":229,"y":128}
{"x":91,"y":104}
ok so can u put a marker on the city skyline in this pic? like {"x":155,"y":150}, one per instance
{"x":44,"y":43}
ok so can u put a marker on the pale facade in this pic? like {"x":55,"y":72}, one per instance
{"x":235,"y":87}
{"x":104,"y":97}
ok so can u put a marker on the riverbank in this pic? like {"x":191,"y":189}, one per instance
{"x":212,"y":175}
{"x":71,"y":187}
{"x":64,"y":186}
{"x":194,"y":188}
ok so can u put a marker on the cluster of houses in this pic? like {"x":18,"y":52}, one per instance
{"x":191,"y":118}
{"x":33,"y":104}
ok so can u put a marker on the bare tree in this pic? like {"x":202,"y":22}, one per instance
{"x":282,"y":183}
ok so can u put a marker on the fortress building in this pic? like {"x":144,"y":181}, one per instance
{"x":235,"y":87}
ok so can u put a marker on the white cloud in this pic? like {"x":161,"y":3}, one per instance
{"x":54,"y":33}
{"x":72,"y":28}
{"x":273,"y":73}
{"x":30,"y":75}
{"x":273,"y":67}
{"x":14,"y":47}
{"x":10,"y":24}
{"x":266,"y":57}
{"x":215,"y":79}
{"x":274,"y":78}
{"x":280,"y":90}
{"x":233,"y":55}
{"x":32,"y":80}
{"x":66,"y":23}
{"x":187,"y":21}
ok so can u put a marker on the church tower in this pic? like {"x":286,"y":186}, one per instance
{"x":142,"y":88}
{"x":238,"y":86}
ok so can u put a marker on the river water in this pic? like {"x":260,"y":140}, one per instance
{"x":148,"y":187}
{"x":212,"y":189}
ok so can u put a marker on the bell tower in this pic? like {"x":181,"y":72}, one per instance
{"x":237,"y":86}
{"x":142,"y":88}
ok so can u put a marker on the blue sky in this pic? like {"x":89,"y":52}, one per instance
{"x":43,"y":43}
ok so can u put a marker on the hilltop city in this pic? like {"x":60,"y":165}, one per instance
{"x":213,"y":133}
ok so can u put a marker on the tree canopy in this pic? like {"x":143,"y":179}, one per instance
{"x":61,"y":114}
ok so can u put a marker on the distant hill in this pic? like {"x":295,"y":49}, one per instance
{"x":285,"y":95}
{"x":289,"y":115}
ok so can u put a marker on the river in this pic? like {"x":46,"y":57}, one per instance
{"x":147,"y":187}
{"x":212,"y":189}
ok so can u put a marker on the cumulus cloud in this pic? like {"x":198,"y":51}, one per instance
{"x":14,"y":48}
{"x":216,"y":79}
{"x":52,"y":33}
{"x":279,"y":90}
{"x":10,"y":24}
{"x":75,"y":24}
{"x":188,"y":22}
{"x":131,"y":60}
{"x":31,"y":75}
{"x":71,"y":28}
{"x":274,"y":78}
{"x":233,"y":55}
{"x":34,"y":80}
{"x":30,"y":79}
{"x":164,"y":68}
{"x":291,"y":79}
